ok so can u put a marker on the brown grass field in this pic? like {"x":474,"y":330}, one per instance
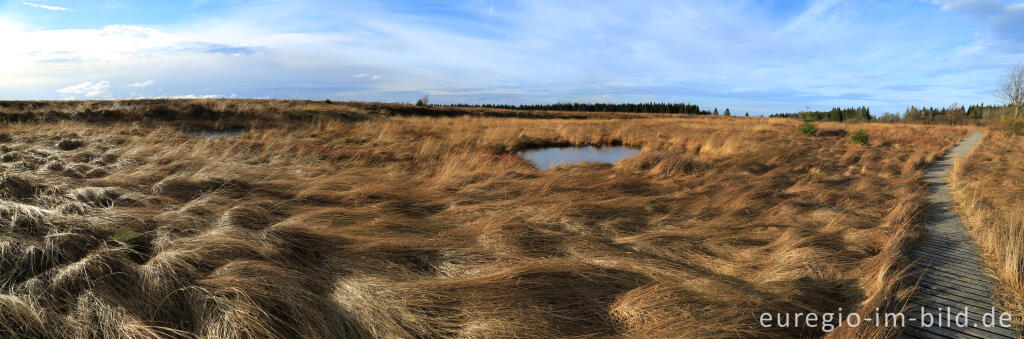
{"x":372,"y":220}
{"x":990,"y":189}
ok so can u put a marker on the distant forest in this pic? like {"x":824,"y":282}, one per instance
{"x":954,"y":114}
{"x":650,"y":107}
{"x":854,"y":114}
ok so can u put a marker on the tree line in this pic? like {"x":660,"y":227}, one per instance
{"x":852,"y":114}
{"x":954,"y":114}
{"x":648,"y":107}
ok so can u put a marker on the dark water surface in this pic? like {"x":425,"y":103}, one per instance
{"x":545,"y":158}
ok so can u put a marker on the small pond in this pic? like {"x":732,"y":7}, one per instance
{"x":545,"y":158}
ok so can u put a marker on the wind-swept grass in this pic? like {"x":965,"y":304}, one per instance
{"x":432,"y":227}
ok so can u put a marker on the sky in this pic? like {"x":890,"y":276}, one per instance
{"x":750,"y":56}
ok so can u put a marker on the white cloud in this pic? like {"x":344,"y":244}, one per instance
{"x":46,"y":7}
{"x":1005,"y":21}
{"x":365,"y":75}
{"x":90,"y":89}
{"x":977,"y":7}
{"x":193,"y":96}
{"x":142,"y":84}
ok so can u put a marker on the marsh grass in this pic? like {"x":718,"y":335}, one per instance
{"x":411,"y":226}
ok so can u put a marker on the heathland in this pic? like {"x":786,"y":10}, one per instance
{"x":311,"y":219}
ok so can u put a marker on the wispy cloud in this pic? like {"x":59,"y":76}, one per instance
{"x":1005,"y":21}
{"x":90,"y":89}
{"x":367,"y":75}
{"x":46,"y":7}
{"x":193,"y":96}
{"x":142,"y":84}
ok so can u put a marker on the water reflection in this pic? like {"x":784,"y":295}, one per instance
{"x":545,"y":158}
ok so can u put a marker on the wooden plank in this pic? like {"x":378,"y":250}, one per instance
{"x":929,"y":256}
{"x":972,"y":270}
{"x":945,"y":247}
{"x":958,"y":290}
{"x":959,"y":249}
{"x":964,"y":271}
{"x":953,"y":240}
{"x":953,"y":297}
{"x":960,"y":275}
{"x":947,"y":257}
{"x":941,"y":245}
{"x":973,"y":250}
{"x":917,"y":332}
{"x":940,"y":277}
{"x":940,"y":260}
{"x":932,"y":252}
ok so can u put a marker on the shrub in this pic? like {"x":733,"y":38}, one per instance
{"x":423,"y":101}
{"x":1013,"y":126}
{"x":808,"y":128}
{"x":860,"y":137}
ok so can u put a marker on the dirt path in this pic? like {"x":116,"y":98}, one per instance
{"x":952,"y":273}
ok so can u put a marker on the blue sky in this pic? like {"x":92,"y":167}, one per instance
{"x":750,"y":56}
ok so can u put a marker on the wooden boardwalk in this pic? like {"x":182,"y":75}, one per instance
{"x":951,"y":271}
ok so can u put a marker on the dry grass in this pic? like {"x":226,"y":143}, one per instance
{"x":432,"y":227}
{"x":989,"y":185}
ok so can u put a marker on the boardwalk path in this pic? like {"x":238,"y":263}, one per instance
{"x":952,"y":273}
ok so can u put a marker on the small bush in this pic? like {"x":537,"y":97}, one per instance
{"x":808,"y":128}
{"x":1013,"y":126}
{"x":860,"y":137}
{"x":425,"y":100}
